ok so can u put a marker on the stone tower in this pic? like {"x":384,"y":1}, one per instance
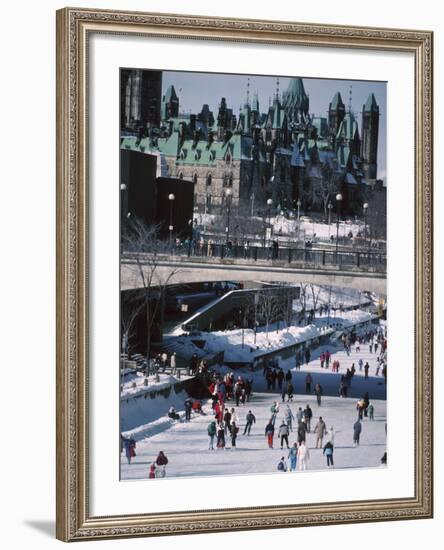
{"x":370,"y":127}
{"x":170,"y":104}
{"x":336,"y":113}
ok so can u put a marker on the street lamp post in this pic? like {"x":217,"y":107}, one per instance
{"x":228,"y":195}
{"x":298,"y":204}
{"x":269,"y":205}
{"x":171,"y":198}
{"x":329,"y":206}
{"x":338,"y":205}
{"x":365,"y":207}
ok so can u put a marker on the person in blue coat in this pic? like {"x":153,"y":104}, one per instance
{"x":293,"y":456}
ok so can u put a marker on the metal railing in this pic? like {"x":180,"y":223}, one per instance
{"x":371,"y":261}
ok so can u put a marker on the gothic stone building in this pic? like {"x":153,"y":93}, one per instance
{"x":285,"y":154}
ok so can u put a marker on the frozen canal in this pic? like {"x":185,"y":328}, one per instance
{"x":186,"y":444}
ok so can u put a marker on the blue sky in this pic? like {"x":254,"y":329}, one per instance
{"x":195,"y":89}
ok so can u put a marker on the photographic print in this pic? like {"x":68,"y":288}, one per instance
{"x":253,"y":274}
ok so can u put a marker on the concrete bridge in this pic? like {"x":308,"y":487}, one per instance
{"x":170,"y":269}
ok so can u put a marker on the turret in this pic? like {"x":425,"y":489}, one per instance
{"x":370,"y":129}
{"x":336,"y":113}
{"x":170,"y":104}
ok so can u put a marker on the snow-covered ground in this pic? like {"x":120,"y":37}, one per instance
{"x":134,"y":383}
{"x":186,"y":444}
{"x":230,"y":341}
{"x":302,"y":229}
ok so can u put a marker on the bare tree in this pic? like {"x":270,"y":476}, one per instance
{"x":315,"y":291}
{"x":131,"y":304}
{"x":142,"y":246}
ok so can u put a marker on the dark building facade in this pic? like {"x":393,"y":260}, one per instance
{"x":140,"y":98}
{"x":137,"y":186}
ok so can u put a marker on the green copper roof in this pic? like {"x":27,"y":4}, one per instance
{"x":370,"y":104}
{"x":170,"y":93}
{"x":337,"y":102}
{"x":348,"y":128}
{"x":295,"y":96}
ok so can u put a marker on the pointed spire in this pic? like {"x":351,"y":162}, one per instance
{"x":336,"y":102}
{"x":370,"y":104}
{"x":350,"y":95}
{"x":277,"y":89}
{"x":248,"y":91}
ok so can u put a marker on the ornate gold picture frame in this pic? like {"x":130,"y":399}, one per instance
{"x":75,"y":27}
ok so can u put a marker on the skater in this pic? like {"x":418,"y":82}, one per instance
{"x":293,"y":456}
{"x":301,"y":432}
{"x":288,"y":376}
{"x":283,"y":434}
{"x":161,"y":462}
{"x":371,"y":412}
{"x":360,"y":406}
{"x":282,"y":466}
{"x":152,"y":472}
{"x":308,"y":413}
{"x":274,"y":409}
{"x":331,"y":435}
{"x":289,"y":417}
{"x":280,"y":379}
{"x":307,"y":355}
{"x":308,"y":381}
{"x":188,"y":406}
{"x":234,"y":432}
{"x":251,"y":419}
{"x":227,"y":421}
{"x":173,"y":363}
{"x":327,"y":359}
{"x":220,"y":443}
{"x":130,"y":448}
{"x":318,"y":392}
{"x":300,"y":415}
{"x":284,"y":392}
{"x":322,"y":359}
{"x":234,"y":417}
{"x":328,"y":452}
{"x":360,"y":364}
{"x":357,"y":428}
{"x":320,"y":430}
{"x":366,"y":369}
{"x":269,"y":433}
{"x":303,"y":456}
{"x":290,"y":391}
{"x":211,"y":434}
{"x":172,"y":413}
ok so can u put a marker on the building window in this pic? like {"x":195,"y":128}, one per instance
{"x":181,"y":175}
{"x":195,"y":179}
{"x":209,"y":179}
{"x":208,"y":201}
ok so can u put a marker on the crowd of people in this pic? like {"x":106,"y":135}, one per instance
{"x":229,"y":394}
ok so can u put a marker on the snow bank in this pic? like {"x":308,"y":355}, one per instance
{"x":230,"y":342}
{"x":165,"y":380}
